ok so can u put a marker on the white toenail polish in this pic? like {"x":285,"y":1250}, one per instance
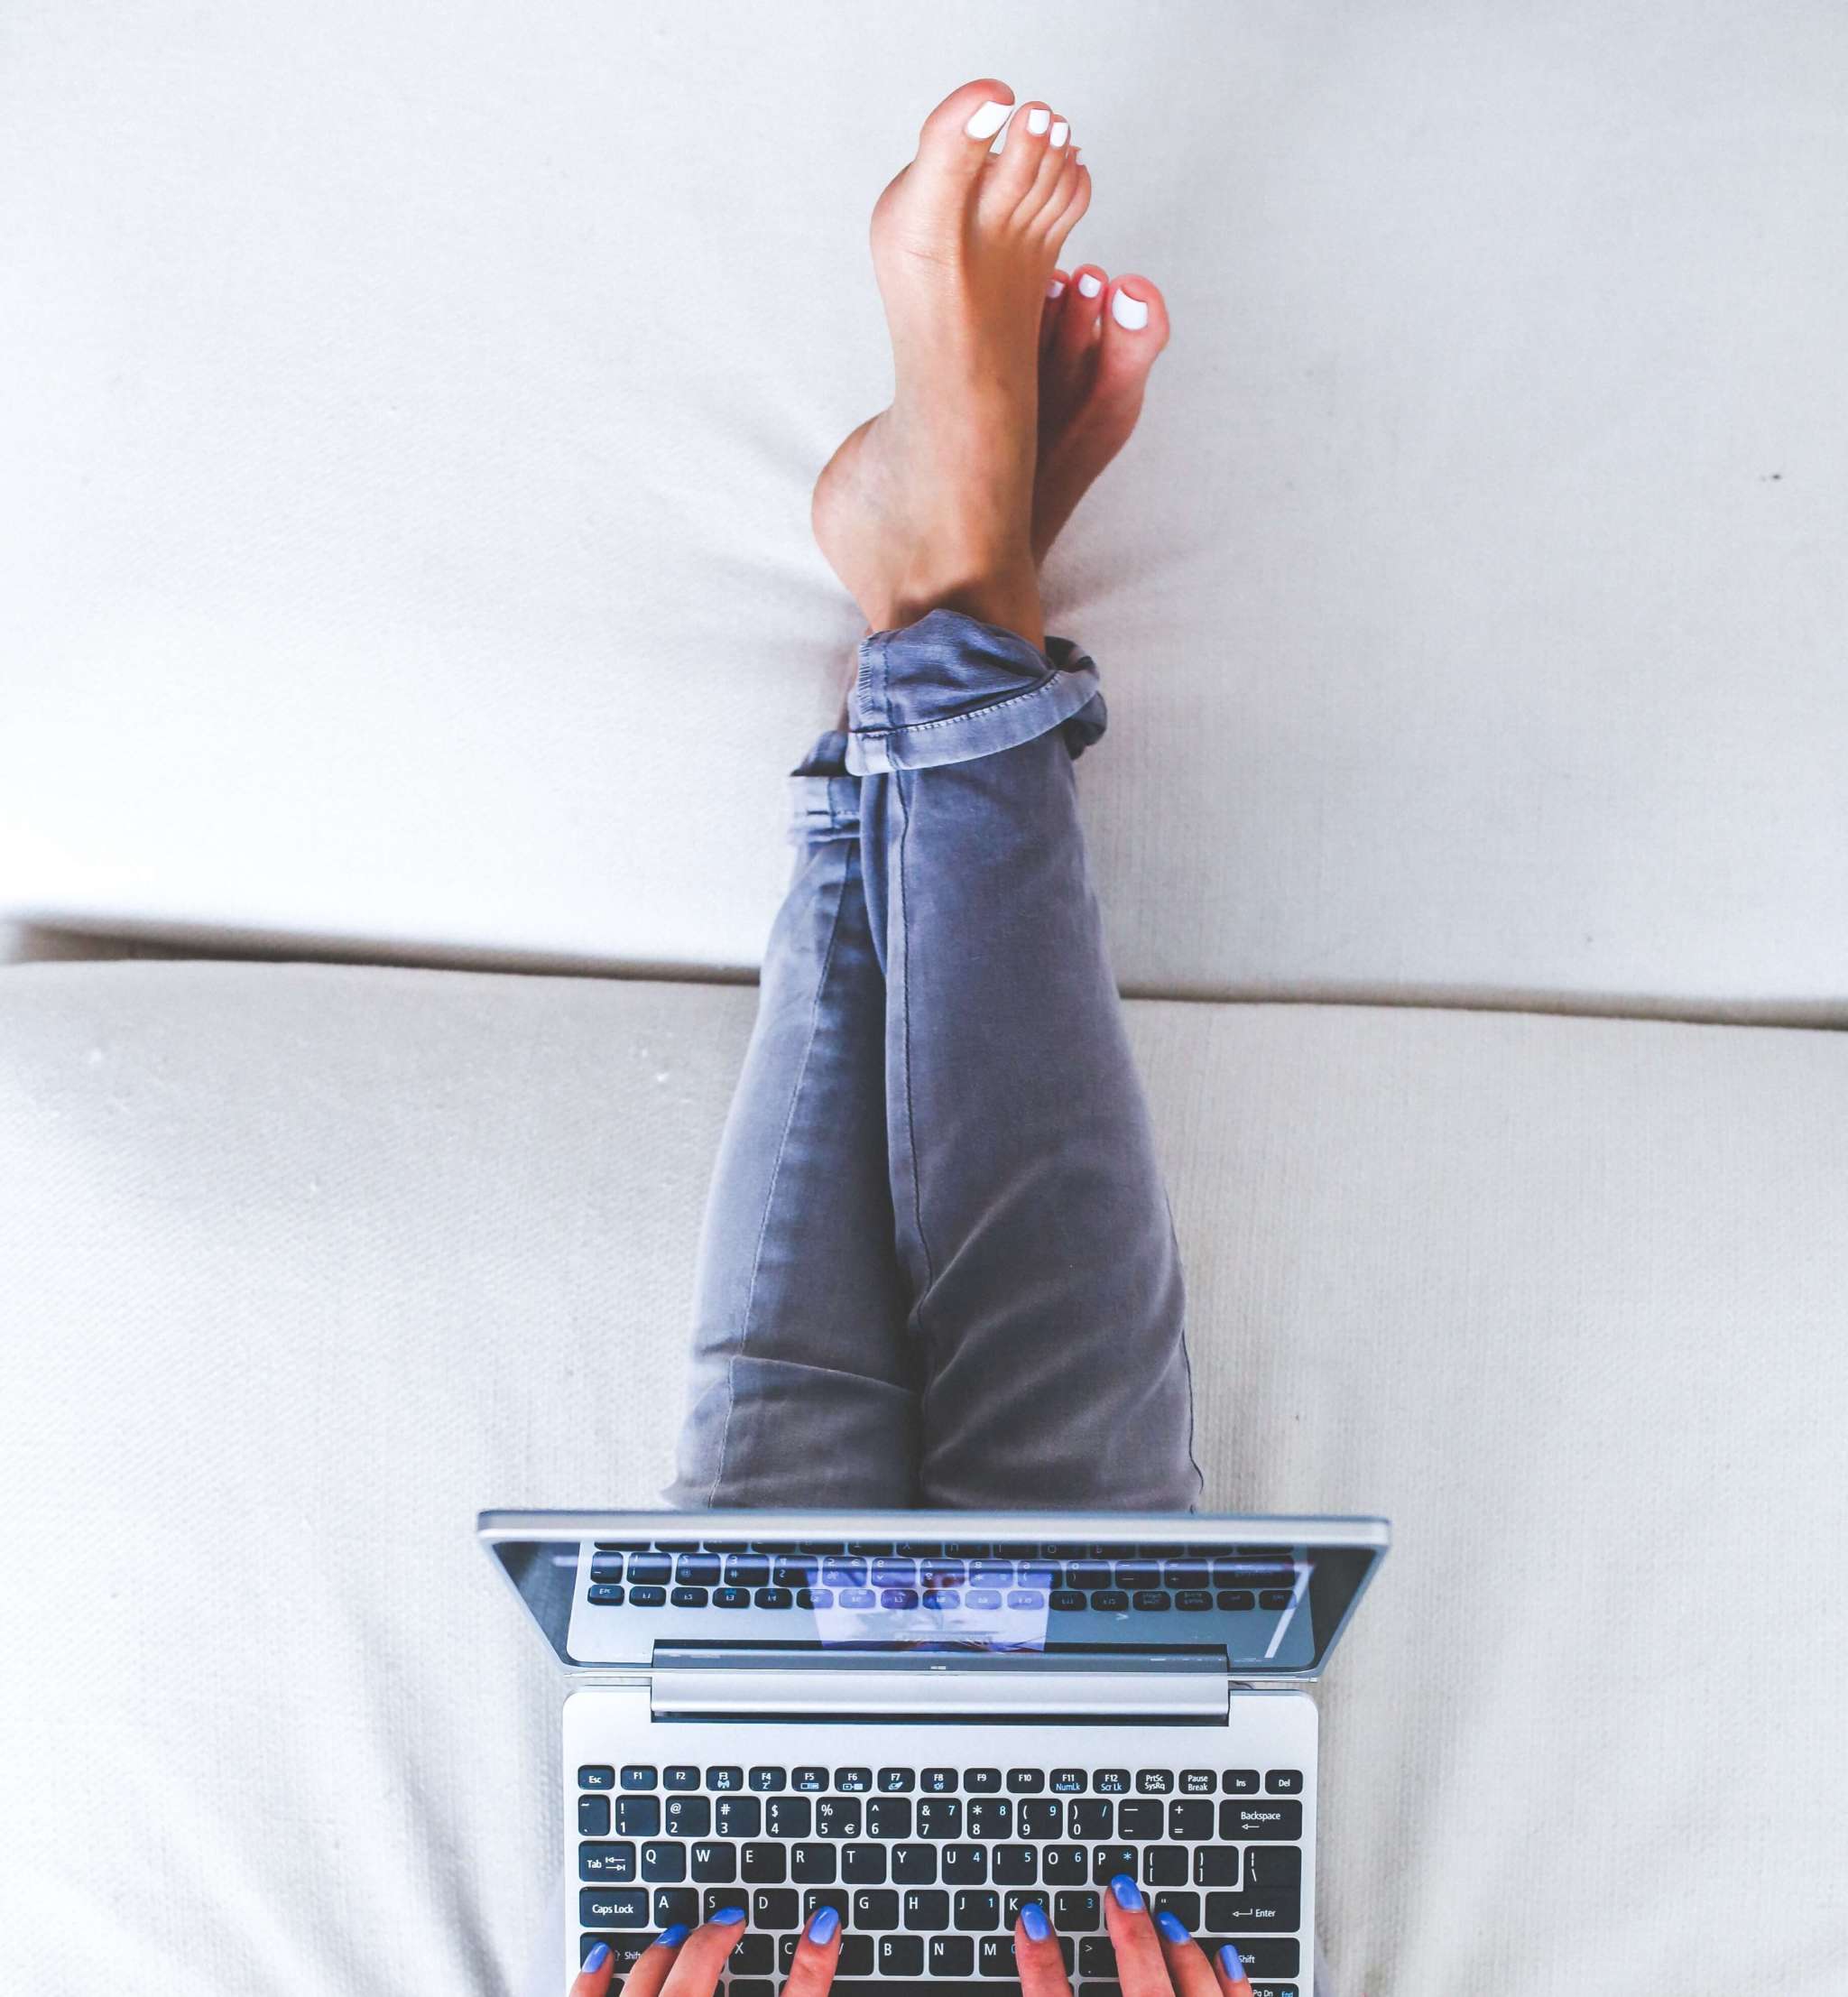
{"x":1056,"y":289}
{"x":1090,"y":286}
{"x":1061,"y":132}
{"x":988,"y":120}
{"x":1130,"y":312}
{"x":1036,"y":121}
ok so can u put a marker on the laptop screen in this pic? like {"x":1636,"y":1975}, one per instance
{"x":614,"y":1590}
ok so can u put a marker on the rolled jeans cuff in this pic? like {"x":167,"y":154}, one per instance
{"x":949,"y":689}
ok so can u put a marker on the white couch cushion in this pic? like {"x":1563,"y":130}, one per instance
{"x":302,"y":1265}
{"x":407,"y":494}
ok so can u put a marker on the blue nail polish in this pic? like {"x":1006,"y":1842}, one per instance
{"x":1232,"y":1962}
{"x":1033,"y":1919}
{"x":1123,"y":1888}
{"x":1172,"y":1928}
{"x":597,"y":1956}
{"x":823,"y":1923}
{"x":670,"y":1937}
{"x":729,"y":1917}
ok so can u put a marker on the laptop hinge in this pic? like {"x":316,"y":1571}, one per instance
{"x":718,"y":1683}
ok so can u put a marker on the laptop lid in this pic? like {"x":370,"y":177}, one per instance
{"x":1262,"y":1597}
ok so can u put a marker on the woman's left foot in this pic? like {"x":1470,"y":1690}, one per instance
{"x":1098,"y":339}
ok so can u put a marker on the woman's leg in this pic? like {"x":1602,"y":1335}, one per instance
{"x":804,"y":1386}
{"x":1032,"y":1220}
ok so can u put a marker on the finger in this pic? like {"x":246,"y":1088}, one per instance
{"x":1037,"y":1958}
{"x":1229,"y":1973}
{"x":594,"y":1978}
{"x":817,"y":1953}
{"x":701,"y":1958}
{"x":1142,"y":1968}
{"x":1187,"y":1966}
{"x":652,"y":1965}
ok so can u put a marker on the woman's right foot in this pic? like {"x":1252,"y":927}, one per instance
{"x":1098,"y":339}
{"x":931,"y":504}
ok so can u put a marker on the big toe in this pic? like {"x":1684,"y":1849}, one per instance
{"x":956,"y":136}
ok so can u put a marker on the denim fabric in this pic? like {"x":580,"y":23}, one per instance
{"x":938,"y":1265}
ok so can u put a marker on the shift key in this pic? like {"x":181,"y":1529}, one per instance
{"x":1247,"y":1820}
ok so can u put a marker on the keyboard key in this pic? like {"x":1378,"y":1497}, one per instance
{"x":753,"y":1956}
{"x":713,"y":1863}
{"x":593,"y":1815}
{"x":1192,"y":1600}
{"x":914,"y":1864}
{"x":736,"y":1817}
{"x":764,"y":1864}
{"x":940,"y":1817}
{"x":1139,"y":1820}
{"x":599,"y":1907}
{"x":1087,"y":1573}
{"x":775,"y":1906}
{"x":699,"y":1570}
{"x":813,"y":1864}
{"x":855,"y":1958}
{"x":1097,"y":1957}
{"x":981,"y":1781}
{"x":1243,"y":1913}
{"x":1198,"y":1781}
{"x":1110,"y":1781}
{"x":1284,"y":1781}
{"x":725,"y":1779}
{"x":977,"y":1911}
{"x":889,"y":1816}
{"x":952,"y":1956}
{"x":875,"y":1908}
{"x":637,"y":1816}
{"x":1110,"y":1602}
{"x":1183,"y":1907}
{"x":650,"y":1566}
{"x":626,"y":1950}
{"x":1275,"y":1865}
{"x":1164,"y":1866}
{"x":775,"y":1598}
{"x":1093,"y":1817}
{"x":1064,"y":1865}
{"x":938,"y":1781}
{"x":994,"y":1956}
{"x":836,"y":1817}
{"x":1108,"y":1860}
{"x":1154,"y":1781}
{"x":691,"y":1817}
{"x":900,"y":1955}
{"x":607,"y":1863}
{"x":638,"y":1778}
{"x":1012,"y":1903}
{"x":1153,"y":1600}
{"x":680,"y":1777}
{"x":1069,"y":1781}
{"x":1068,"y":1600}
{"x":664,"y":1862}
{"x":764,"y":1780}
{"x":1074,"y":1911}
{"x":1247,"y":1823}
{"x":747,"y":1570}
{"x":1275,"y":1598}
{"x":1137,"y":1575}
{"x":1215,"y":1865}
{"x":927,"y":1911}
{"x":897,"y":1781}
{"x":689,"y":1598}
{"x":852,"y":1782}
{"x":964,"y":1865}
{"x":789,"y":1816}
{"x":1239,"y":1782}
{"x":809,"y":1781}
{"x":716,"y":1900}
{"x":1014,"y":1865}
{"x":1190,"y":1820}
{"x":1026,"y":1781}
{"x":597,"y":1775}
{"x":678,"y":1906}
{"x":863,"y":1865}
{"x":1041,"y":1817}
{"x":991,"y":1816}
{"x":794,"y":1574}
{"x":731,"y":1598}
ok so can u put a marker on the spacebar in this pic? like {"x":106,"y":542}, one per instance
{"x":885,"y":1986}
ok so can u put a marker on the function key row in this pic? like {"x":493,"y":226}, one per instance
{"x":709,"y":1570}
{"x":918,"y":1550}
{"x":728,"y":1778}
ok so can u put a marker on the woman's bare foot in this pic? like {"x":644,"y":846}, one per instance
{"x":930,"y":504}
{"x":1098,"y":339}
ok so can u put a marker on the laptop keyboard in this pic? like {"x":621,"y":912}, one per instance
{"x":929,"y":1867}
{"x":909,"y":1575}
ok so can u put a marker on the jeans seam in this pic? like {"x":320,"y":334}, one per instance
{"x":910,"y":1119}
{"x":833,"y":925}
{"x":950,"y":720}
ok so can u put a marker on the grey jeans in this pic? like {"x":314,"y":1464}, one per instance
{"x":938,"y":1265}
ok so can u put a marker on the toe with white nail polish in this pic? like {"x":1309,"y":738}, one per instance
{"x":1132,"y":313}
{"x":1089,"y":286}
{"x":1061,"y":132}
{"x":1038,"y":119}
{"x":1056,"y":289}
{"x":988,"y":120}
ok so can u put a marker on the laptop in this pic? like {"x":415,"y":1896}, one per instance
{"x":927,"y":1718}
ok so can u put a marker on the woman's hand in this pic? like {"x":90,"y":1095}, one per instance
{"x":683,"y":1965}
{"x":1154,"y":1959}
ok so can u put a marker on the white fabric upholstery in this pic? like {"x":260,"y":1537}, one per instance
{"x":406,"y":492}
{"x":300,"y":1265}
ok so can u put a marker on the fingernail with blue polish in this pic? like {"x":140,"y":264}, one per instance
{"x":823,"y":1923}
{"x":1124,"y":1889}
{"x":1172,"y":1928}
{"x":729,"y":1917}
{"x":597,"y":1956}
{"x":1232,"y":1962}
{"x":1033,"y":1919}
{"x":670,"y":1937}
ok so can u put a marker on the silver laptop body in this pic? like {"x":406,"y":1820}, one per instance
{"x":926,"y":1718}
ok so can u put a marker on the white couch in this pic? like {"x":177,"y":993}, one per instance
{"x":408,"y":514}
